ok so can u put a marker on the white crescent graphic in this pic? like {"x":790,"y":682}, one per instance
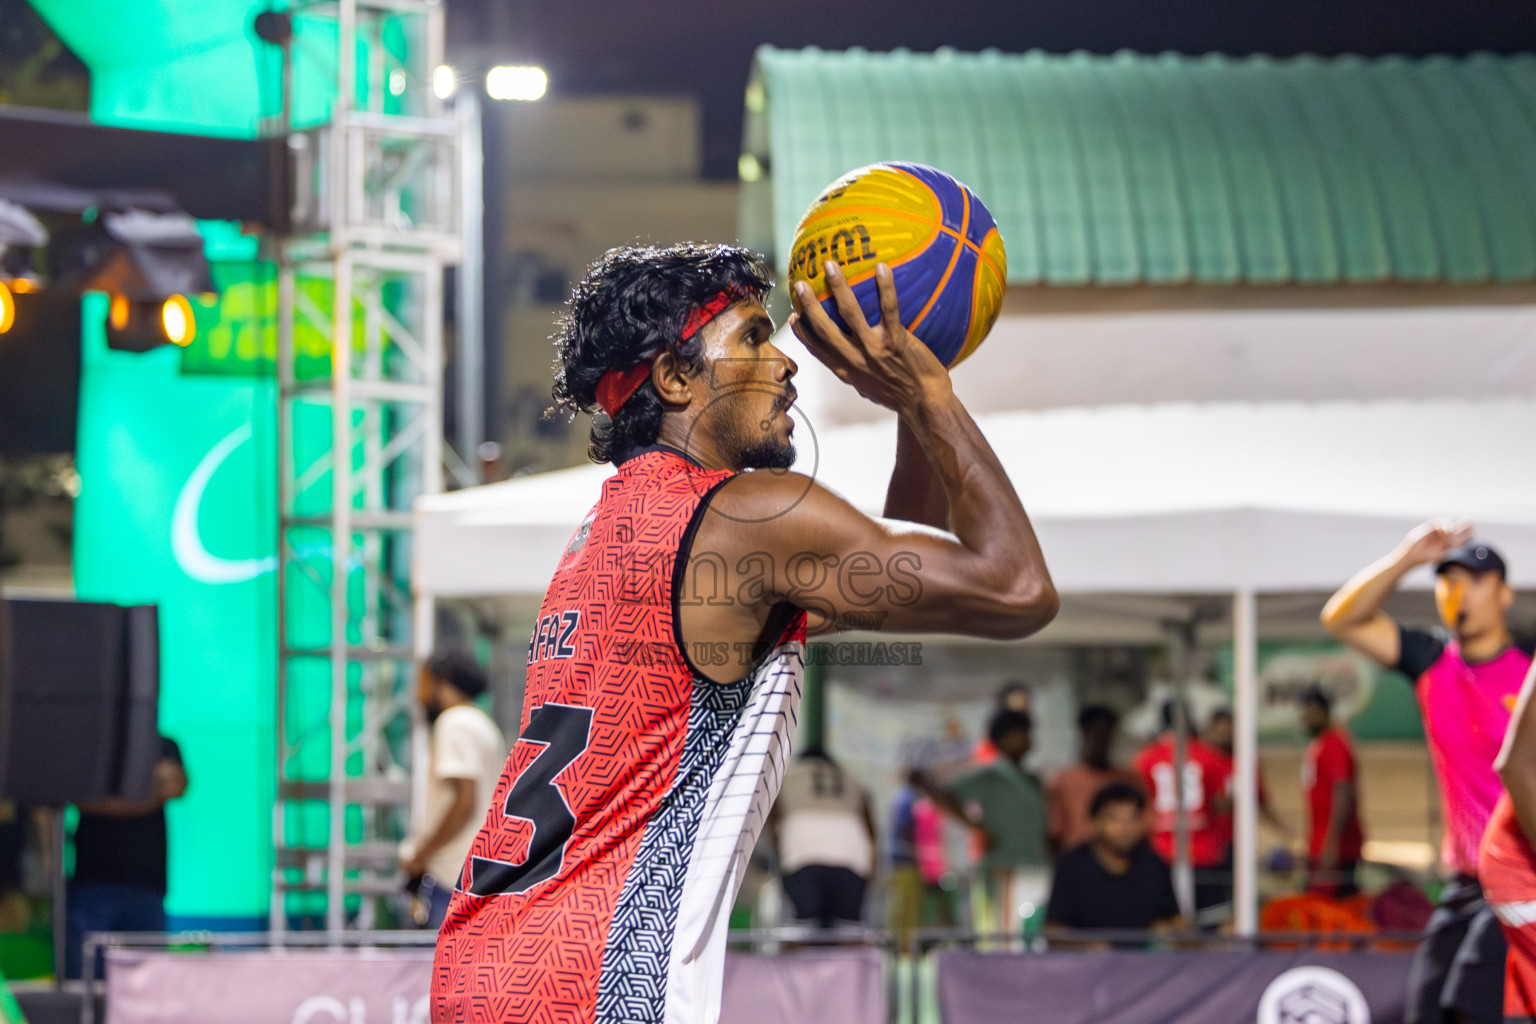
{"x":187,"y":544}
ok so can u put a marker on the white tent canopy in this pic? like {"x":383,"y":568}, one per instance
{"x":1211,"y":498}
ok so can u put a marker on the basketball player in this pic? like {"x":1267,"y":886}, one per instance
{"x":1507,"y":860}
{"x":1466,"y":682}
{"x":664,"y":674}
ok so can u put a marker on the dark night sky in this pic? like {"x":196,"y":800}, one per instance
{"x":675,"y":46}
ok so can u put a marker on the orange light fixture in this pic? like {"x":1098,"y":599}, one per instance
{"x":118,"y":312}
{"x":177,"y":320}
{"x":7,"y":308}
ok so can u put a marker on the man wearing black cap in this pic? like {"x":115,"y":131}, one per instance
{"x":1466,"y":682}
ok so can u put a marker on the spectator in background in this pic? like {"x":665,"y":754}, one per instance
{"x":1201,"y":790}
{"x":1218,"y":735}
{"x":915,"y":856}
{"x":1013,"y":696}
{"x":468,"y":753}
{"x":826,"y":840}
{"x":1007,"y":805}
{"x":1466,"y":682}
{"x":1114,"y":880}
{"x":120,"y":861}
{"x":1069,"y":797}
{"x":1329,"y":786}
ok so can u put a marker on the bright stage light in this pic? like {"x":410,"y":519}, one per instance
{"x":177,"y":320}
{"x":445,"y":81}
{"x":7,"y":308}
{"x":515,"y":83}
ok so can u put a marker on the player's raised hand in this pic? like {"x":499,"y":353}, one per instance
{"x":1431,"y":541}
{"x":884,"y":362}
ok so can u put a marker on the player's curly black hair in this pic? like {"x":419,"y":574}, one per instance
{"x":628,"y":309}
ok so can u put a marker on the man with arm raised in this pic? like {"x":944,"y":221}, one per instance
{"x":1466,"y":680}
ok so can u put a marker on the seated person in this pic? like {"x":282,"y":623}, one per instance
{"x":1114,"y":880}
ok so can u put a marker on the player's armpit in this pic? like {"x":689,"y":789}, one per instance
{"x":777,"y":537}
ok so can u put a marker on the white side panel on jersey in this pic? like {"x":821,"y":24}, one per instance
{"x":740,"y":796}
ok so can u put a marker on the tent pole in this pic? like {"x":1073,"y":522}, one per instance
{"x":1181,"y":642}
{"x":1246,"y":766}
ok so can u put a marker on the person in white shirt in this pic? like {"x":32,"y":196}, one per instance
{"x":468,"y":753}
{"x":826,"y":840}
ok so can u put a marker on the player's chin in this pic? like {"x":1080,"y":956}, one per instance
{"x":769,"y":453}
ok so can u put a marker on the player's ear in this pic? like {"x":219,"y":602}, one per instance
{"x":672,"y":380}
{"x":1506,"y":595}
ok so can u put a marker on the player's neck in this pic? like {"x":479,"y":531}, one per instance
{"x":1486,"y":646}
{"x":693,"y":443}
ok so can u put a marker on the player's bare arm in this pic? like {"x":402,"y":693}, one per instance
{"x":1354,"y":616}
{"x":1516,"y":764}
{"x":770,"y":539}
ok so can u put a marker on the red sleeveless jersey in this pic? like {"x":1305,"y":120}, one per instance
{"x":599,"y":888}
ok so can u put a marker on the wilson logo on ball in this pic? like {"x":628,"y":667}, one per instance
{"x":939,"y":240}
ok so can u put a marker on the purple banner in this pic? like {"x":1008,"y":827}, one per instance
{"x":269,"y":987}
{"x":807,"y":987}
{"x":1174,"y":987}
{"x":390,"y":987}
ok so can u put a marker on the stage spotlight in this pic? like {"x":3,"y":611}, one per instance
{"x":7,"y":308}
{"x":445,"y":81}
{"x":516,"y":83}
{"x":177,"y":321}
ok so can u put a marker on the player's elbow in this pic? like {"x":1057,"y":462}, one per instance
{"x":1027,"y":608}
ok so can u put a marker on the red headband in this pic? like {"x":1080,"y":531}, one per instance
{"x":618,"y":386}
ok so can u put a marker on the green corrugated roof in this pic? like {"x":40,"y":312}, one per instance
{"x":1165,"y":169}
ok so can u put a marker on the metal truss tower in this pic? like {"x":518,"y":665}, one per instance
{"x":360,"y":357}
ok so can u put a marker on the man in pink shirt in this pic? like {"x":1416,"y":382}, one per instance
{"x":1466,"y":681}
{"x":1069,"y":796}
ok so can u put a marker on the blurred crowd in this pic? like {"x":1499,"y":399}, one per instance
{"x":1095,"y":846}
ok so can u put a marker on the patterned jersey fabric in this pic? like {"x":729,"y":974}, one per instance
{"x":599,"y":888}
{"x":1507,"y":869}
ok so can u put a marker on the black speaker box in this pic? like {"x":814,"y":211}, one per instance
{"x":81,"y":699}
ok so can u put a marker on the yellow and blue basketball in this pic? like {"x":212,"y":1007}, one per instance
{"x":940,"y":242}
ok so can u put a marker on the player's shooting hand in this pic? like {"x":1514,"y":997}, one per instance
{"x":884,"y":363}
{"x":1429,"y":542}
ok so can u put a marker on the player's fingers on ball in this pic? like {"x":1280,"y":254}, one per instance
{"x":890,"y":303}
{"x":821,"y":339}
{"x":847,"y":306}
{"x":820,"y":323}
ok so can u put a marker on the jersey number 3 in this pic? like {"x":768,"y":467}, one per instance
{"x":564,"y":730}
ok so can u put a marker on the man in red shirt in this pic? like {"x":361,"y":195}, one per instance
{"x":1328,"y":782}
{"x":1201,"y":790}
{"x":1218,"y":735}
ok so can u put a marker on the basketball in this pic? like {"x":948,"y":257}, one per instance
{"x":941,"y":243}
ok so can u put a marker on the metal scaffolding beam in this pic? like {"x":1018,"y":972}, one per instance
{"x":376,"y":218}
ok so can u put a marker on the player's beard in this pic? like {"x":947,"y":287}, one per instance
{"x":756,"y":445}
{"x":768,"y":453}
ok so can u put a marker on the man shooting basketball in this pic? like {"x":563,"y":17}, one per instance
{"x":664,"y":674}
